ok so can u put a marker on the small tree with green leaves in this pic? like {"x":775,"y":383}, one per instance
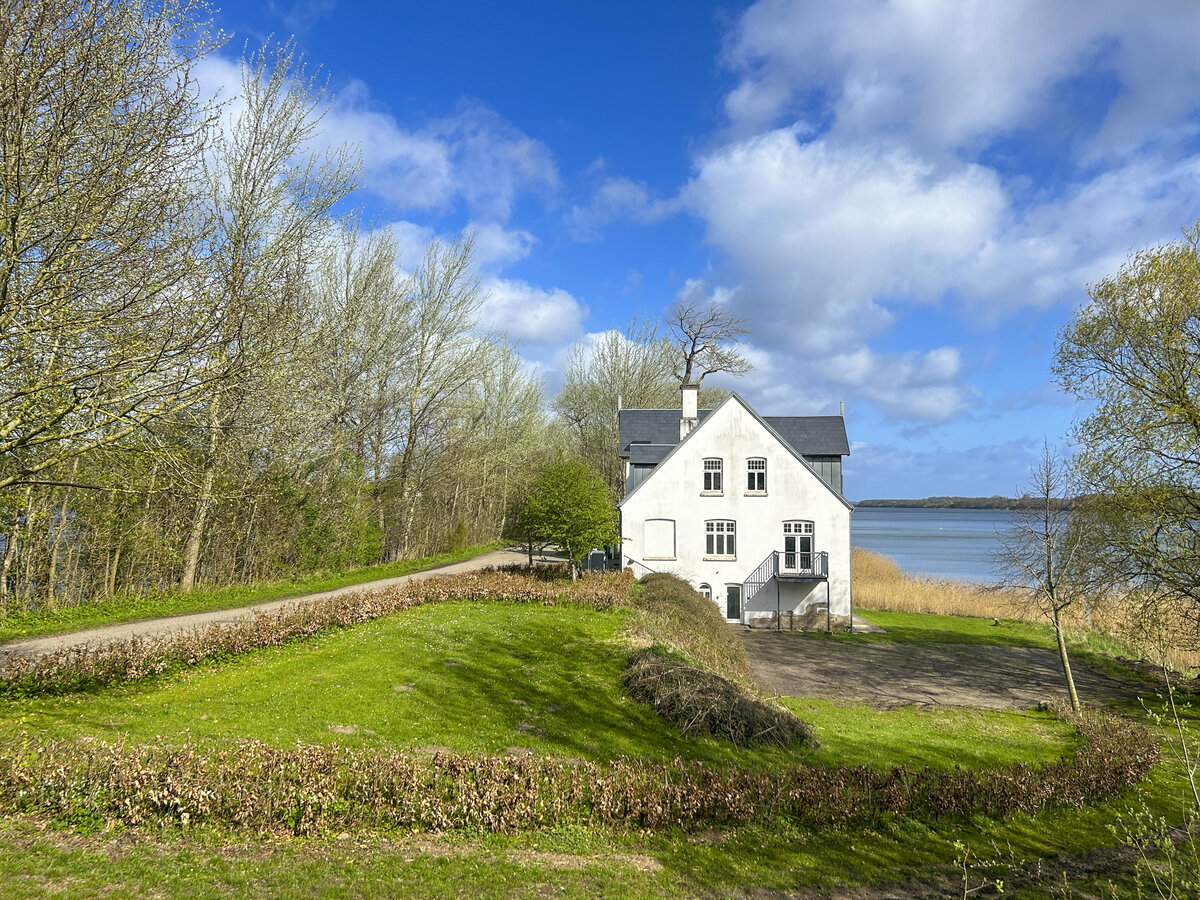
{"x":569,"y":505}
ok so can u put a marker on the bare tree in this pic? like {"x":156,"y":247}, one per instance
{"x":707,"y":337}
{"x":1041,"y":557}
{"x":101,"y":131}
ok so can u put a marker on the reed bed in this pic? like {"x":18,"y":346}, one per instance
{"x":879,"y":583}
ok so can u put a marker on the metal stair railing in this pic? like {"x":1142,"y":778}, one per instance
{"x":760,"y":577}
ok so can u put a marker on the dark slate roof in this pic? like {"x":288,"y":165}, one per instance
{"x":647,"y":453}
{"x":642,"y":432}
{"x":813,"y":435}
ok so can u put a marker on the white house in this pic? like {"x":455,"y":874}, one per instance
{"x":747,"y":508}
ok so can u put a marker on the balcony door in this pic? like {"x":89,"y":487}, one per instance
{"x":797,"y":547}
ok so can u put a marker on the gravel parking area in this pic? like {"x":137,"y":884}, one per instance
{"x":883,"y":674}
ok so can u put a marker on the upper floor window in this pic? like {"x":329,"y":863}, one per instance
{"x":720,"y":538}
{"x":713,"y":468}
{"x":756,"y":475}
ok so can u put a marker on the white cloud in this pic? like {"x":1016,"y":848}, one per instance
{"x":497,"y":246}
{"x":946,"y":73}
{"x":616,"y":199}
{"x":472,"y":155}
{"x":922,"y":387}
{"x":531,"y":314}
{"x":822,"y":233}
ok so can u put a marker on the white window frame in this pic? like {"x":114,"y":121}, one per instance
{"x":713,"y":483}
{"x":720,"y":539}
{"x":756,"y":475}
{"x":706,"y":590}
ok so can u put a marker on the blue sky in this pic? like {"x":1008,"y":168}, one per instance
{"x":904,"y":198}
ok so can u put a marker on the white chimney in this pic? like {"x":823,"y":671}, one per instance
{"x":689,"y":395}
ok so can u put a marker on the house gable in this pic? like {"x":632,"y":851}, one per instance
{"x":706,"y":424}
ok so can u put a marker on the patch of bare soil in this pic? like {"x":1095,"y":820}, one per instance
{"x":885,"y":675}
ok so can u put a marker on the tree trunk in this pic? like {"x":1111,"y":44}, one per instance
{"x":10,"y":547}
{"x":191,"y":551}
{"x":1066,"y":663}
{"x":204,"y":500}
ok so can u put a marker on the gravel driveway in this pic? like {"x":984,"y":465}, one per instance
{"x":883,"y":674}
{"x":177,"y":624}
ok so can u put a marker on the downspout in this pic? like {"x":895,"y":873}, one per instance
{"x":828,"y":612}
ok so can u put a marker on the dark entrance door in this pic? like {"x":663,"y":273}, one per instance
{"x":733,"y":601}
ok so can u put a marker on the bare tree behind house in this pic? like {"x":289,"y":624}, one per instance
{"x":707,"y":337}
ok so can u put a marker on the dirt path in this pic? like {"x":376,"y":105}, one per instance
{"x":923,"y":674}
{"x":109,"y":634}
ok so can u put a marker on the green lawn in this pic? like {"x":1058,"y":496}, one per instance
{"x":131,"y":609}
{"x":484,"y":678}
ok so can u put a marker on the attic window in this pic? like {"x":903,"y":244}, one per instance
{"x":756,"y":476}
{"x":713,"y":468}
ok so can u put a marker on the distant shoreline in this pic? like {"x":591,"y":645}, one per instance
{"x":964,"y":503}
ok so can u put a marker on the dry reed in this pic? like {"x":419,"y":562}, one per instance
{"x":880,"y":584}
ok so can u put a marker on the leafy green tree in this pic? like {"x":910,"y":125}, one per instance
{"x":569,"y":505}
{"x":1135,"y":352}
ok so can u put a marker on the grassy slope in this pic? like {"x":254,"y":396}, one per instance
{"x":484,"y":677}
{"x":532,"y":654}
{"x":131,"y":609}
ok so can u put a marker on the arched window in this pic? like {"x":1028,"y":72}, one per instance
{"x":706,"y":591}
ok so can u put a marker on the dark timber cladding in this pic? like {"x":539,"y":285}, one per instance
{"x":647,"y":435}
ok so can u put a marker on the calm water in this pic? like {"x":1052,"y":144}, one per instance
{"x":944,"y":543}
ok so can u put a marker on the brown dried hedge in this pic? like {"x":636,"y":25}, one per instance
{"x":312,"y":789}
{"x":78,"y":667}
{"x":703,"y":703}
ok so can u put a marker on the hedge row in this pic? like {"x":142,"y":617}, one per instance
{"x":700,"y":702}
{"x":82,"y":666}
{"x":311,"y":789}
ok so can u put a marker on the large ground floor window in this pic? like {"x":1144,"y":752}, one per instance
{"x":720,"y":538}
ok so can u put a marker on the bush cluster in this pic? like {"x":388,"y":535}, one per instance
{"x":703,"y":703}
{"x":81,"y":666}
{"x":311,"y":789}
{"x":668,"y":612}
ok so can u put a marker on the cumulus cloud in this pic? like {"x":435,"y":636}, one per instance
{"x":823,"y":233}
{"x":922,"y":387}
{"x":531,"y":314}
{"x":617,"y":198}
{"x":472,"y":155}
{"x":946,"y":74}
{"x":885,"y":153}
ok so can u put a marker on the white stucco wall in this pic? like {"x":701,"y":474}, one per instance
{"x":794,"y":491}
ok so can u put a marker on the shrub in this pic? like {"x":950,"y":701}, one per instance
{"x":703,"y":703}
{"x":669,"y":613}
{"x":83,"y":666}
{"x":309,"y":789}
